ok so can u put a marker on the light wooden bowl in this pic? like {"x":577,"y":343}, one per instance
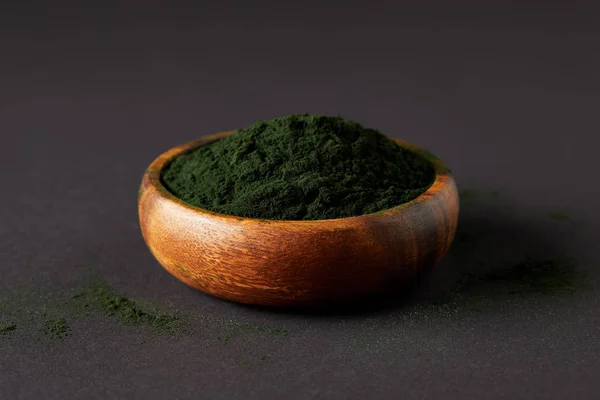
{"x":296,"y":263}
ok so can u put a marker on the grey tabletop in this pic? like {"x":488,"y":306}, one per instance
{"x":508,"y":97}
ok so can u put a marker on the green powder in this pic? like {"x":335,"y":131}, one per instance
{"x":6,"y":327}
{"x":559,"y":216}
{"x":300,"y":167}
{"x":57,"y":328}
{"x":467,"y":196}
{"x":529,"y":276}
{"x":129,"y":312}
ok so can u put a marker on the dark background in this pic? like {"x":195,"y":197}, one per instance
{"x":507,"y":95}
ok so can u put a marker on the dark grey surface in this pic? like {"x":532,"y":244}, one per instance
{"x":508,"y":97}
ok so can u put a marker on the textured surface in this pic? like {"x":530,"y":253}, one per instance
{"x":508,"y":98}
{"x":283,"y":263}
{"x":299,"y":167}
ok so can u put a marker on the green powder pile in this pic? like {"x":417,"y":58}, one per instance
{"x":300,"y":167}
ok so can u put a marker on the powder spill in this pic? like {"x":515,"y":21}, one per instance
{"x":559,"y":216}
{"x":527,"y":277}
{"x":53,"y":313}
{"x":542,"y":276}
{"x":6,"y":327}
{"x":56,"y":328}
{"x":100,"y":296}
{"x":300,"y":167}
{"x":467,"y":195}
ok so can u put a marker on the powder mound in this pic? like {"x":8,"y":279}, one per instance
{"x":300,"y":167}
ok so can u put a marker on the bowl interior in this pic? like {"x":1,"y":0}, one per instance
{"x":154,"y":173}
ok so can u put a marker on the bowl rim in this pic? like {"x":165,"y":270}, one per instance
{"x":152,"y":179}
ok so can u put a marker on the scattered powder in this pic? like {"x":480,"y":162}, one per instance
{"x":56,"y":328}
{"x":467,"y":195}
{"x":559,"y":216}
{"x":6,"y":327}
{"x":100,"y":296}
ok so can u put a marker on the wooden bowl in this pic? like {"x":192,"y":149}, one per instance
{"x":296,"y":263}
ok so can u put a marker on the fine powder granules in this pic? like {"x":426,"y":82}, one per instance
{"x":300,"y":167}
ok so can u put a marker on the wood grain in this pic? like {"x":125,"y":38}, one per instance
{"x":296,"y":263}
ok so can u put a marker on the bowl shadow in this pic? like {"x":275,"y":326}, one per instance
{"x":499,"y":252}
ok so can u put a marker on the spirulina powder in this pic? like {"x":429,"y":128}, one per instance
{"x":300,"y":167}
